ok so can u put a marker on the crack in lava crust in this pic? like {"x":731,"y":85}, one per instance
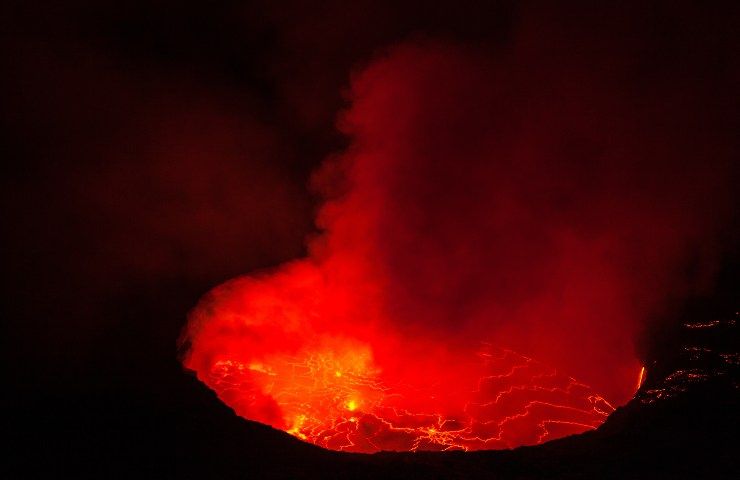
{"x":267,"y":354}
{"x":338,"y":403}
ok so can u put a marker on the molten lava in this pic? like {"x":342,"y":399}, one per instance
{"x":471,"y":205}
{"x":264,"y":346}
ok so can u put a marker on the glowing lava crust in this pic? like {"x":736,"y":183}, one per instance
{"x":263,"y":347}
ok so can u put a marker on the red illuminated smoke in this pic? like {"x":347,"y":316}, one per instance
{"x":481,"y":209}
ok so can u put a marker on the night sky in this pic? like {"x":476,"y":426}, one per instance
{"x":520,"y":169}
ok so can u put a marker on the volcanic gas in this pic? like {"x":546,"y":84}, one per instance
{"x":489,"y":248}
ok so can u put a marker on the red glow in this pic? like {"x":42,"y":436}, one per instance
{"x":266,"y":348}
{"x":461,"y":216}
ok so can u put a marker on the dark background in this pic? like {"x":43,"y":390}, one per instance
{"x":117,"y":218}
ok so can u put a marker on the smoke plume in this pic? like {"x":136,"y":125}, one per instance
{"x":539,"y":201}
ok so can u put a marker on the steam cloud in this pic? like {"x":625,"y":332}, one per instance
{"x":538,"y":204}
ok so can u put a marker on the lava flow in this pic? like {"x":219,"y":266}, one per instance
{"x":261,"y":346}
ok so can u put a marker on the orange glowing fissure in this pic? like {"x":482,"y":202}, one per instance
{"x":641,"y":378}
{"x":276,"y":352}
{"x":339,"y":402}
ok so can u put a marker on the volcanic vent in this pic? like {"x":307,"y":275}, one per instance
{"x":488,"y":253}
{"x":259,"y":349}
